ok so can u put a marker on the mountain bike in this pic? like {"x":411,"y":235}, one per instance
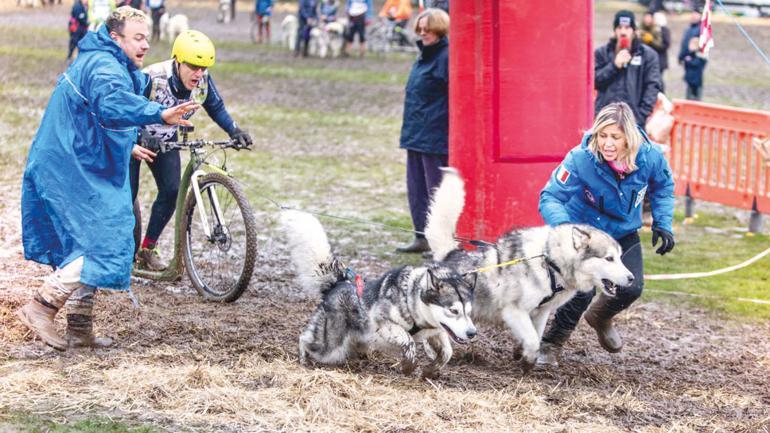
{"x":215,"y":236}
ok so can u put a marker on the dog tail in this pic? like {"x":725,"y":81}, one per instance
{"x":445,"y":209}
{"x":317,"y":268}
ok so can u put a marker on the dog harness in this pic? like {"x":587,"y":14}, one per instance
{"x":553,"y":269}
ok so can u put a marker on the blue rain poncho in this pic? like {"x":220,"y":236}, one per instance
{"x":76,"y":199}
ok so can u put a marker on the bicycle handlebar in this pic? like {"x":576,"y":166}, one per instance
{"x":197,"y":144}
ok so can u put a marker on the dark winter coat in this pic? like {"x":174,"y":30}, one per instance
{"x":426,"y":104}
{"x":637,"y":84}
{"x":691,"y":32}
{"x":693,"y":69}
{"x":663,"y":52}
{"x":308,"y":9}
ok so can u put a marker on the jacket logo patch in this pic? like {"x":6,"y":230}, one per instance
{"x":636,"y":60}
{"x":563,"y":174}
{"x":640,"y":196}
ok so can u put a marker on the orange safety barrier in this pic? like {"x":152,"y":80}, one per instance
{"x":721,"y":153}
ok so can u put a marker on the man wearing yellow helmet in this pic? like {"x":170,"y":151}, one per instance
{"x":184,"y":77}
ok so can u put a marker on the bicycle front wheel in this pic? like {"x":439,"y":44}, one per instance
{"x":220,"y":239}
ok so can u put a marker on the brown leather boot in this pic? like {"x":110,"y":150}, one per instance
{"x":599,"y":316}
{"x":39,"y":319}
{"x":80,"y":333}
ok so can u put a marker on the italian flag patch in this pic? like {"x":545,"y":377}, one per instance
{"x":562,"y":174}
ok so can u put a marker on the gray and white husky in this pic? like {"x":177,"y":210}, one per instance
{"x":406,"y":305}
{"x":564,"y":260}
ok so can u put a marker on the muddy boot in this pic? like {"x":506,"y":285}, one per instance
{"x":80,"y":320}
{"x":39,"y":319}
{"x":599,"y":316}
{"x":418,"y":245}
{"x":80,"y":333}
{"x":149,"y":259}
{"x":551,"y":347}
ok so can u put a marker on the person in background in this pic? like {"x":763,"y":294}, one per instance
{"x":263,"y":10}
{"x":75,"y":201}
{"x":184,"y":77}
{"x":662,"y":23}
{"x":359,"y":14}
{"x":307,"y":16}
{"x":98,"y":12}
{"x":157,"y":9}
{"x":692,"y":31}
{"x":328,"y":11}
{"x":651,"y":35}
{"x":78,"y":26}
{"x":440,"y":4}
{"x":398,"y":12}
{"x":625,"y":70}
{"x":425,"y":128}
{"x":694,"y":65}
{"x":602,"y":183}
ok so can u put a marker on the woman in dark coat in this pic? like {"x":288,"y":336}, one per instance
{"x":425,"y":129}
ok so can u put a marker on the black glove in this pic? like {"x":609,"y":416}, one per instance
{"x":241,"y":137}
{"x":149,"y":142}
{"x":666,"y":240}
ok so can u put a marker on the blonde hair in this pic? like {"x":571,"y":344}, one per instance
{"x":117,"y":20}
{"x":438,"y":21}
{"x":618,"y":113}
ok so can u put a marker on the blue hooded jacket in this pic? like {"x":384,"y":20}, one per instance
{"x":585,"y":190}
{"x":76,"y":199}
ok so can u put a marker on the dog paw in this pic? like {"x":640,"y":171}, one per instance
{"x":431,"y":373}
{"x":407,"y":367}
{"x":526,"y":365}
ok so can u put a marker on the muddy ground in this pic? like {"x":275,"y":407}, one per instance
{"x":182,"y":364}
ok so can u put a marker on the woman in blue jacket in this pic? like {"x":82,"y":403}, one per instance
{"x":425,"y":130}
{"x":602,"y":182}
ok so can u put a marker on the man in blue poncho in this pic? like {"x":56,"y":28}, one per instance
{"x":76,"y":201}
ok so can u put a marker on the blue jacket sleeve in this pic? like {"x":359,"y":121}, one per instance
{"x":563,"y":184}
{"x":369,"y":9}
{"x":662,"y":193}
{"x":215,"y":107}
{"x":114,"y":101}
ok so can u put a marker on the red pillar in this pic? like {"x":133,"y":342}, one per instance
{"x":521,"y":80}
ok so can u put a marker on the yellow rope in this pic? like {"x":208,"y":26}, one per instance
{"x":508,"y":263}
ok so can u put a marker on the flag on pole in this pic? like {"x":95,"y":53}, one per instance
{"x":706,"y":40}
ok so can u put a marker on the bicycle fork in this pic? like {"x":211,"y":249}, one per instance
{"x":213,"y":200}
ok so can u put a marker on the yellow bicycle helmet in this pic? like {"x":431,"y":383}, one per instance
{"x":194,"y":48}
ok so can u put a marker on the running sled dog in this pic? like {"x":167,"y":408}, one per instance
{"x":562,"y":261}
{"x":407,"y":305}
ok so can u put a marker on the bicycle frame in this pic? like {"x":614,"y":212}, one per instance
{"x":193,"y":170}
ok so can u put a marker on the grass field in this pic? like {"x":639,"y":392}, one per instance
{"x":326,"y":139}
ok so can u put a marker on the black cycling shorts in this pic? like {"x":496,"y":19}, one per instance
{"x":357,"y":25}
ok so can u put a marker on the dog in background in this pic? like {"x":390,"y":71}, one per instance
{"x":173,"y":26}
{"x":289,"y":28}
{"x":564,"y":260}
{"x":429,"y":304}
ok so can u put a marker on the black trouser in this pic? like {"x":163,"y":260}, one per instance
{"x":156,"y":14}
{"x":166,"y":169}
{"x":568,"y":315}
{"x":423,"y":175}
{"x":303,"y":36}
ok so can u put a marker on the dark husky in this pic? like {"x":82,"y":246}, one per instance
{"x":428,"y":304}
{"x":565,"y":259}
